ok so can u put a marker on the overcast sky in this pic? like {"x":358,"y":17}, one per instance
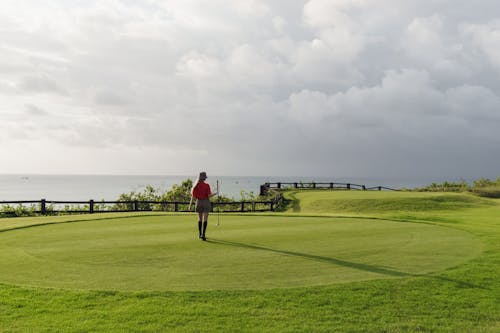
{"x":361,"y":88}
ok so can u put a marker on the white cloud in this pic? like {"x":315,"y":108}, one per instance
{"x":487,"y":37}
{"x":255,"y":87}
{"x":331,"y":13}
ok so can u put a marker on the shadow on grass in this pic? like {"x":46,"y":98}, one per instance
{"x":334,"y":261}
{"x":338,"y":262}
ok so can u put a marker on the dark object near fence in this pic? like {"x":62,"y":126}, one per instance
{"x":91,"y":206}
{"x":264,"y":188}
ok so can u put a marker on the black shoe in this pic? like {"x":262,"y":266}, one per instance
{"x":204,"y":238}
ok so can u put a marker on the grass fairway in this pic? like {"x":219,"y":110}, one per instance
{"x":337,"y":261}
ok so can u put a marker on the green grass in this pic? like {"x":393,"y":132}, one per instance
{"x":248,"y":252}
{"x":452,"y":287}
{"x":381,"y":202}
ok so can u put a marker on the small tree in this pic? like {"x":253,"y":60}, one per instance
{"x":180,"y":192}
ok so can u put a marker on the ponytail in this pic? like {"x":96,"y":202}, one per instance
{"x":194,"y":186}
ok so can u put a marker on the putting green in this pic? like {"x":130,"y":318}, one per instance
{"x":245,"y":252}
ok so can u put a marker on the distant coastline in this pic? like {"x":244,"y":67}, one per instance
{"x":109,"y":187}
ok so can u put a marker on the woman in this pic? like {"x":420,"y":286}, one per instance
{"x":201,"y":192}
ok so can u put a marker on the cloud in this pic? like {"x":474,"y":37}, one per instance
{"x":33,"y":110}
{"x":255,"y":87}
{"x":111,"y":98}
{"x":40,"y":84}
{"x":487,"y":38}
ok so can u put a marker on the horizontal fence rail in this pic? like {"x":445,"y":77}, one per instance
{"x":264,"y":188}
{"x":46,"y":207}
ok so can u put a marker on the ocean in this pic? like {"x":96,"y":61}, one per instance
{"x":109,"y":187}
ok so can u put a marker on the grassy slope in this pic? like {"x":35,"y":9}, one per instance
{"x":382,"y":203}
{"x":461,"y":299}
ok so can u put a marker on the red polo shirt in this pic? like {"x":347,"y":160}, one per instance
{"x":201,"y":191}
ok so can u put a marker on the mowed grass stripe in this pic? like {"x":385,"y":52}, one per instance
{"x":246,"y":252}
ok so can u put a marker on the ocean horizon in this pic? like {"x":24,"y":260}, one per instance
{"x":108,"y":187}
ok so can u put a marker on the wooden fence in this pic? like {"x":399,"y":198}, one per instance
{"x":313,"y":185}
{"x":46,"y":207}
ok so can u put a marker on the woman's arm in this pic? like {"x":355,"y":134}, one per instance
{"x":190,"y":203}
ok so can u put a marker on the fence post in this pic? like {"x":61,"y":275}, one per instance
{"x":272,"y":205}
{"x":91,"y":206}
{"x":243,"y":206}
{"x":380,"y":188}
{"x":364,"y":187}
{"x":314,"y":184}
{"x":253,"y":206}
{"x":136,"y":205}
{"x":176,"y":206}
{"x":295,"y":185}
{"x":348,"y":186}
{"x":279,"y":185}
{"x":43,"y":207}
{"x":262,"y":189}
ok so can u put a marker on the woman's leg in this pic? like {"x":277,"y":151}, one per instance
{"x":200,"y":221}
{"x":205,"y":223}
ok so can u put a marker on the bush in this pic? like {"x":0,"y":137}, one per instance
{"x":483,"y":187}
{"x":446,"y":186}
{"x":487,"y":191}
{"x":484,"y":182}
{"x":178,"y":193}
{"x":19,"y":210}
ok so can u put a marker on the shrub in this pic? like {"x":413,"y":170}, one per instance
{"x":484,"y":182}
{"x":446,"y":186}
{"x":19,"y":210}
{"x":483,"y":187}
{"x":487,"y":191}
